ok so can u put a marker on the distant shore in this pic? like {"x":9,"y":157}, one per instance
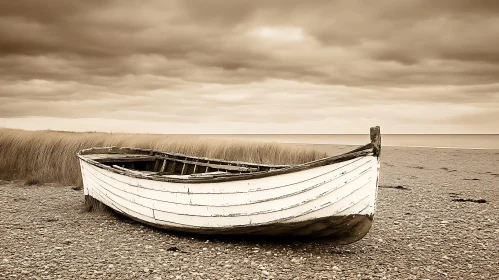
{"x":451,"y":141}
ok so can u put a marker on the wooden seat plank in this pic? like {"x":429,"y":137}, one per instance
{"x":120,"y":157}
{"x":214,"y":166}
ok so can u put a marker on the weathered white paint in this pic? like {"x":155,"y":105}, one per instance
{"x":339,"y":189}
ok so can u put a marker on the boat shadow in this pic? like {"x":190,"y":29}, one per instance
{"x":266,"y":242}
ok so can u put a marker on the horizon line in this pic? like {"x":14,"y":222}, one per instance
{"x":72,"y":131}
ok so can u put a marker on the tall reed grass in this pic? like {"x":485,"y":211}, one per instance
{"x":50,"y":156}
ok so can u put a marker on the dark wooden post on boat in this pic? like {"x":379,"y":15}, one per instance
{"x":376,"y":140}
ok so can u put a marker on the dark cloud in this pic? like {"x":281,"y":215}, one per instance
{"x":253,"y":61}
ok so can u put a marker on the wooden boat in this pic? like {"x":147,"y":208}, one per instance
{"x":332,"y":199}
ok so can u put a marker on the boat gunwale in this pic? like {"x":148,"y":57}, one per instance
{"x":371,"y":149}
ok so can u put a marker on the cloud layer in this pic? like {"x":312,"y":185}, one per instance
{"x":412,"y":65}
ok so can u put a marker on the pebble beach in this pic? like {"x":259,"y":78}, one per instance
{"x":436,"y":218}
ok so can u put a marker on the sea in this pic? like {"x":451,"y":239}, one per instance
{"x":463,"y":141}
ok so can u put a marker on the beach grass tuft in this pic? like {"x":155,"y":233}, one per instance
{"x":50,"y":156}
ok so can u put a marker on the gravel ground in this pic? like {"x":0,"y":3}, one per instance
{"x":419,"y":232}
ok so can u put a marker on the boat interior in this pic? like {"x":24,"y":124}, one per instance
{"x":153,"y":163}
{"x":163,"y":166}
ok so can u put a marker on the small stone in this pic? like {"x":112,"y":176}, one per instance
{"x":146,"y":270}
{"x":111,"y":266}
{"x":265,"y":272}
{"x":317,"y":268}
{"x":444,"y":222}
{"x":58,"y":248}
{"x":335,"y":268}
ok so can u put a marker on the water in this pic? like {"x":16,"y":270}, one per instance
{"x":467,"y":141}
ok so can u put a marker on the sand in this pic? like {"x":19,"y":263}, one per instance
{"x":420,"y":232}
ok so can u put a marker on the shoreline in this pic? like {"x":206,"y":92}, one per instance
{"x":394,"y":146}
{"x":383,"y":146}
{"x":426,"y":141}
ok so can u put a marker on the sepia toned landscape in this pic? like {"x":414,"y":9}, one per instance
{"x":264,"y":139}
{"x":436,"y":218}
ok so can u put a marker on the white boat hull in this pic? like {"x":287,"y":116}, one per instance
{"x":334,"y":202}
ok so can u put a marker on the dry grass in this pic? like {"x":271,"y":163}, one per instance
{"x":49,"y":156}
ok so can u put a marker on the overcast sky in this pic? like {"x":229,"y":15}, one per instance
{"x":255,"y":66}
